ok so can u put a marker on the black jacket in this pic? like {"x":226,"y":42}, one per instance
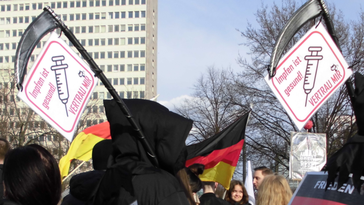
{"x":211,"y":199}
{"x":131,"y":176}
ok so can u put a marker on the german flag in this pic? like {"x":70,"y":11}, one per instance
{"x":220,"y":153}
{"x":82,"y":145}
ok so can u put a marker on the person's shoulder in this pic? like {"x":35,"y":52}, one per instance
{"x":8,"y":202}
{"x":223,"y":202}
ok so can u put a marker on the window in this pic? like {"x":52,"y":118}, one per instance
{"x":109,"y":69}
{"x":20,"y":19}
{"x":130,"y":2}
{"x":96,"y":42}
{"x":91,"y":3}
{"x":103,"y":15}
{"x":136,"y":54}
{"x":109,"y":41}
{"x":77,"y":29}
{"x":72,"y":17}
{"x":15,"y":20}
{"x":84,"y":3}
{"x":83,"y":42}
{"x":96,"y":55}
{"x":90,"y":16}
{"x":136,"y":67}
{"x":136,"y":81}
{"x":142,"y":54}
{"x":136,"y":14}
{"x":136,"y":40}
{"x":130,"y":14}
{"x":117,"y":15}
{"x":102,"y":55}
{"x":121,"y":94}
{"x":122,"y":27}
{"x":122,"y":81}
{"x":8,"y":7}
{"x":53,"y":5}
{"x":40,"y":5}
{"x":78,"y":4}
{"x":65,"y":4}
{"x":122,"y":41}
{"x":83,"y":29}
{"x":90,"y":42}
{"x":142,"y":81}
{"x":102,"y":41}
{"x":122,"y":67}
{"x":122,"y":54}
{"x":130,"y":54}
{"x":90,"y":29}
{"x":130,"y":41}
{"x":129,"y":81}
{"x":130,"y":67}
{"x":111,"y":15}
{"x":2,"y":7}
{"x":116,"y":81}
{"x":123,"y":2}
{"x":117,"y":2}
{"x":123,"y":15}
{"x":142,"y":40}
{"x":94,"y":95}
{"x":130,"y":27}
{"x":108,"y":95}
{"x":26,"y":19}
{"x":142,"y":14}
{"x":142,"y":67}
{"x":103,"y":2}
{"x":78,"y":17}
{"x":136,"y":1}
{"x":128,"y":94}
{"x":72,"y":4}
{"x":97,"y":29}
{"x":116,"y":41}
{"x":102,"y":95}
{"x":135,"y":94}
{"x":84,"y":16}
{"x":116,"y":68}
{"x":101,"y":108}
{"x":141,"y":95}
{"x":97,"y":15}
{"x":13,"y":46}
{"x":109,"y":54}
{"x":143,"y":1}
{"x":97,"y":2}
{"x":14,"y":32}
{"x":116,"y":54}
{"x":111,"y":2}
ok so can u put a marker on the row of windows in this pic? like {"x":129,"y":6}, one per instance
{"x":121,"y":67}
{"x":76,"y":17}
{"x":31,"y":124}
{"x":95,"y":55}
{"x":129,"y":81}
{"x":101,"y":95}
{"x":83,"y":29}
{"x":71,"y":4}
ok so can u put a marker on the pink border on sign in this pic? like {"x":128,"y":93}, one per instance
{"x":327,"y":94}
{"x":36,"y":67}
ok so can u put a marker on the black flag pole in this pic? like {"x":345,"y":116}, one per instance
{"x":47,"y":22}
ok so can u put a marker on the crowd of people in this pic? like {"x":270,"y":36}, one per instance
{"x":124,"y":171}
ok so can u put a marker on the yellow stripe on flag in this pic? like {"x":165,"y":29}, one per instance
{"x":221,"y":173}
{"x":81,"y":149}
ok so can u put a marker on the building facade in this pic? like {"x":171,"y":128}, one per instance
{"x":120,"y":35}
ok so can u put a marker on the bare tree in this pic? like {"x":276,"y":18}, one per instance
{"x":211,"y":106}
{"x":268,"y":134}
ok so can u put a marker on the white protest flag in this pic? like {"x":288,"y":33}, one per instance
{"x":58,"y":86}
{"x":249,"y":184}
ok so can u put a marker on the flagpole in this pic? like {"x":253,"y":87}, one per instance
{"x":98,"y":73}
{"x":70,"y":174}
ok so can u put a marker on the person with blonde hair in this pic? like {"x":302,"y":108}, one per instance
{"x":274,"y":190}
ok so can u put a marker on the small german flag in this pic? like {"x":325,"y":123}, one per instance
{"x":220,"y":153}
{"x":82,"y":145}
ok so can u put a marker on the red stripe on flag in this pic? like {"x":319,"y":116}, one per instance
{"x":229,"y":155}
{"x":101,"y":130}
{"x":298,"y":200}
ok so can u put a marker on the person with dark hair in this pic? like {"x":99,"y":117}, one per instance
{"x":31,"y":176}
{"x":82,"y":185}
{"x":237,"y":193}
{"x":208,"y":197}
{"x":259,"y":174}
{"x":4,"y":148}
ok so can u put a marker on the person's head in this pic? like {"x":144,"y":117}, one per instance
{"x":237,"y":193}
{"x":209,"y":187}
{"x":189,"y":180}
{"x":259,"y":174}
{"x":274,"y":190}
{"x":4,"y":148}
{"x":31,"y":176}
{"x":100,"y":154}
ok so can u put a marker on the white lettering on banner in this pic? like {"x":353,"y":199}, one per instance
{"x":345,"y":188}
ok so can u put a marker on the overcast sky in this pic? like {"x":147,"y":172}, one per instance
{"x":196,"y":34}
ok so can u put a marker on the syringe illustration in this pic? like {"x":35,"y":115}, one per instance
{"x":311,"y":69}
{"x":61,"y":79}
